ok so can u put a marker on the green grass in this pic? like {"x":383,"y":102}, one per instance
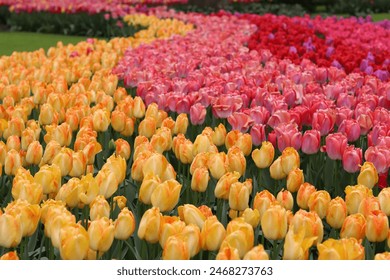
{"x":27,"y":41}
{"x":379,"y":17}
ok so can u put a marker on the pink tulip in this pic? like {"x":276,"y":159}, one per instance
{"x":366,"y":123}
{"x":352,"y":159}
{"x":279,"y":117}
{"x":323,"y":121}
{"x":378,"y":156}
{"x":197,"y":114}
{"x":259,"y":114}
{"x":240,"y":121}
{"x":351,"y":129}
{"x":342,"y":114}
{"x":311,"y":141}
{"x":346,"y":100}
{"x":258,"y":134}
{"x":381,"y":115}
{"x":225,"y":105}
{"x":272,"y":138}
{"x":379,"y":130}
{"x":300,"y":115}
{"x":288,"y":135}
{"x":335,"y":145}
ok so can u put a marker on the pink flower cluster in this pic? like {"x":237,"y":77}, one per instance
{"x":257,"y":92}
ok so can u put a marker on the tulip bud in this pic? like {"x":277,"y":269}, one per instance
{"x":228,"y":253}
{"x":239,"y":196}
{"x":336,"y":212}
{"x":377,"y":226}
{"x":181,"y":124}
{"x":118,"y":119}
{"x":74,"y":242}
{"x":368,"y":175}
{"x":124,"y":224}
{"x":264,"y":156}
{"x":150,"y":225}
{"x":10,"y":256}
{"x":88,"y":189}
{"x":319,"y":202}
{"x":200,"y":179}
{"x":51,"y":150}
{"x":217,"y":164}
{"x":263,"y":201}
{"x":304,"y":192}
{"x":79,"y":164}
{"x":240,"y":235}
{"x":289,"y":160}
{"x":274,"y":222}
{"x":352,"y":158}
{"x":257,"y":253}
{"x":166,"y":195}
{"x":191,"y":236}
{"x":139,"y":108}
{"x":200,"y":160}
{"x":222,"y":189}
{"x":175,"y":248}
{"x":384,"y":200}
{"x":295,"y":179}
{"x":354,"y":226}
{"x":101,"y":234}
{"x":285,"y":199}
{"x":312,"y":224}
{"x":311,"y":142}
{"x":276,"y":170}
{"x":236,"y":160}
{"x":342,"y":249}
{"x":212,"y":235}
{"x":251,"y":217}
{"x":107,"y":182}
{"x":101,"y":120}
{"x":147,"y":127}
{"x":368,"y":204}
{"x":69,"y":193}
{"x":190,"y":214}
{"x":122,"y":148}
{"x":12,"y":163}
{"x":64,"y":160}
{"x":219,"y":135}
{"x":11,"y":231}
{"x":34,"y":153}
{"x":297,"y":244}
{"x":170,"y":226}
{"x":99,"y":208}
{"x":354,"y":196}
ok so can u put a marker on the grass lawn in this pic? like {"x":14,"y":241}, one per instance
{"x":28,"y":41}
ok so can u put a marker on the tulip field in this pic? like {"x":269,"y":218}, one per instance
{"x":220,"y":136}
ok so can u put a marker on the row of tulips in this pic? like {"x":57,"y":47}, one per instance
{"x":128,"y":178}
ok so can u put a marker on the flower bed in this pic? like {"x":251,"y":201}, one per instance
{"x":214,"y":151}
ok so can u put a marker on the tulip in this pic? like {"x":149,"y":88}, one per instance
{"x":185,"y":152}
{"x":236,"y":160}
{"x":11,"y":231}
{"x":150,"y":225}
{"x":368,"y":204}
{"x":47,"y":115}
{"x":12,"y":163}
{"x":228,"y":253}
{"x":122,"y":148}
{"x":251,"y":217}
{"x":175,"y":248}
{"x":200,"y":179}
{"x":319,"y":202}
{"x":257,"y":253}
{"x":166,"y":195}
{"x":101,"y":234}
{"x":239,"y":234}
{"x":219,"y":135}
{"x":51,"y":150}
{"x":212,"y":234}
{"x":323,"y":121}
{"x":336,"y":143}
{"x":49,"y":177}
{"x":3,"y":152}
{"x":311,"y":142}
{"x":206,"y":211}
{"x":79,"y":164}
{"x":297,"y":244}
{"x":28,"y":136}
{"x":354,"y":196}
{"x":217,"y":164}
{"x":190,"y":214}
{"x":70,"y":193}
{"x":239,"y":196}
{"x":382,"y":256}
{"x":378,"y":156}
{"x":148,"y":185}
{"x":203,"y":143}
{"x":384,"y":200}
{"x":244,"y":142}
{"x":377,"y":226}
{"x":91,"y":150}
{"x":336,"y":212}
{"x":289,"y":160}
{"x":120,"y":201}
{"x":13,"y":142}
{"x":147,"y":127}
{"x":107,"y":182}
{"x":99,"y":208}
{"x":181,"y":124}
{"x":274,"y":222}
{"x":29,"y":215}
{"x":343,"y":249}
{"x":101,"y":120}
{"x":169,"y":227}
{"x":354,"y":226}
{"x":258,"y":134}
{"x":368,"y":175}
{"x":64,"y":160}
{"x":311,"y":222}
{"x":352,"y":158}
{"x":295,"y":179}
{"x":191,"y":235}
{"x":117,"y":165}
{"x":161,"y":141}
{"x":285,"y":198}
{"x":74,"y":242}
{"x":263,"y":201}
{"x":34,"y":153}
{"x":30,"y":191}
{"x":351,"y":129}
{"x":118,"y":119}
{"x":124,"y":224}
{"x":276,"y":170}
{"x":139,"y":108}
{"x":158,"y":165}
{"x":222,"y":189}
{"x":88,"y":189}
{"x":10,"y":256}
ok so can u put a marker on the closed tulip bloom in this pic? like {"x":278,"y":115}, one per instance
{"x":200,"y":160}
{"x":30,"y":191}
{"x":342,"y":249}
{"x":222,"y":189}
{"x":118,"y":119}
{"x":377,"y":226}
{"x":217,"y":164}
{"x":276,"y":170}
{"x":384,"y":200}
{"x":219,"y":135}
{"x":236,"y":160}
{"x":239,"y":196}
{"x":88,"y":189}
{"x":101,"y":120}
{"x":244,"y":142}
{"x":228,"y":253}
{"x":185,"y":152}
{"x":34,"y":153}
{"x":70,"y":193}
{"x":190,"y":214}
{"x":139,"y":108}
{"x":352,"y":158}
{"x":166,"y":195}
{"x":311,"y":142}
{"x":336,"y":213}
{"x":191,"y":235}
{"x":170,"y":226}
{"x":29,"y":215}
{"x":79,"y":164}
{"x":251,"y":217}
{"x":200,"y":179}
{"x":3,"y":152}
{"x":11,"y":231}
{"x":122,"y":148}
{"x":274,"y":222}
{"x":101,"y":234}
{"x":119,"y":201}
{"x":13,"y":142}
{"x":212,"y":234}
{"x":368,"y":175}
{"x":107,"y":182}
{"x":354,"y":226}
{"x":64,"y":160}
{"x":148,"y":185}
{"x":237,"y":239}
{"x":369,"y":204}
{"x":382,"y":256}
{"x":161,"y":141}
{"x":289,"y":160}
{"x":51,"y":150}
{"x":147,"y":127}
{"x":336,"y":143}
{"x":297,"y":244}
{"x":203,"y":143}
{"x":150,"y":225}
{"x":295,"y":179}
{"x":263,"y":201}
{"x":319,"y":202}
{"x":158,"y":165}
{"x":28,"y":136}
{"x":49,"y":177}
{"x":47,"y":115}
{"x":175,"y":248}
{"x":354,"y":196}
{"x":10,"y":256}
{"x":285,"y":199}
{"x":91,"y":150}
{"x":12,"y":163}
{"x":74,"y":242}
{"x":99,"y":208}
{"x":257,"y":253}
{"x":124,"y":224}
{"x":311,"y":222}
{"x":181,"y":124}
{"x":117,"y":165}
{"x":264,"y":156}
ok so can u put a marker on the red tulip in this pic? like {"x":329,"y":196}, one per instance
{"x":351,"y":129}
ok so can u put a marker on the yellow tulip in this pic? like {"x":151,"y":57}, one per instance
{"x":235,"y":160}
{"x":295,"y":179}
{"x":150,"y":225}
{"x":175,"y":248}
{"x":190,"y":214}
{"x":219,"y":135}
{"x":170,"y":226}
{"x":368,"y":175}
{"x":274,"y":222}
{"x":336,"y":213}
{"x":354,"y":196}
{"x":384,"y":200}
{"x":385,"y":256}
{"x":342,"y":249}
{"x":99,"y":208}
{"x":222,"y":189}
{"x":29,"y":215}
{"x":296,"y":244}
{"x":257,"y":253}
{"x":239,"y":196}
{"x":200,"y":179}
{"x":212,"y":234}
{"x":124,"y":224}
{"x":377,"y":227}
{"x":263,"y":201}
{"x":217,"y":164}
{"x":101,"y":234}
{"x":166,"y":195}
{"x":74,"y":242}
{"x":304,"y":192}
{"x":11,"y":231}
{"x":354,"y":226}
{"x":311,"y":223}
{"x":285,"y":198}
{"x":319,"y":202}
{"x":264,"y":156}
{"x":289,"y":160}
{"x":228,"y":253}
{"x":251,"y":217}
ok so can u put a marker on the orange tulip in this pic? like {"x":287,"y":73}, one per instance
{"x":34,"y":153}
{"x":12,"y":163}
{"x":354,"y":226}
{"x":101,"y":120}
{"x":354,"y":196}
{"x":181,"y":124}
{"x":311,"y":223}
{"x":29,"y":215}
{"x":369,"y":204}
{"x":122,"y":148}
{"x":228,"y":253}
{"x":263,"y":201}
{"x":319,"y":202}
{"x":304,"y":192}
{"x":64,"y":160}
{"x":289,"y":160}
{"x":336,"y":212}
{"x":235,"y":160}
{"x":200,"y":160}
{"x":200,"y":179}
{"x":147,"y":127}
{"x":51,"y":150}
{"x":139,"y":108}
{"x":10,"y":256}
{"x":222,"y":189}
{"x":161,"y":141}
{"x":79,"y":164}
{"x":377,"y":227}
{"x":74,"y":242}
{"x":295,"y":179}
{"x":175,"y":248}
{"x":11,"y":231}
{"x":217,"y":164}
{"x":285,"y":199}
{"x":120,"y":201}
